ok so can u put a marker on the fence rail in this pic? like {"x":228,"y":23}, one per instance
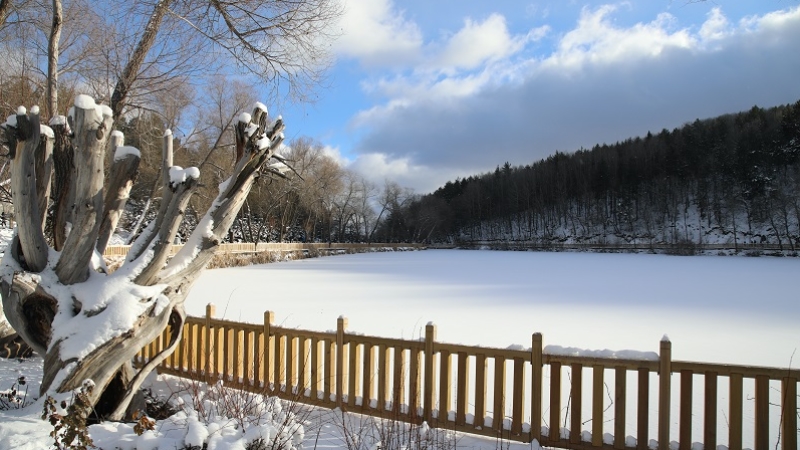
{"x":121,"y":250}
{"x":513,"y":394}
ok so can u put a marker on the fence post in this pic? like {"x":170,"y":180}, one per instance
{"x":664,"y":395}
{"x":536,"y":387}
{"x":430,"y":337}
{"x":267,"y":358}
{"x":210,"y":311}
{"x":341,"y":326}
{"x":789,"y":418}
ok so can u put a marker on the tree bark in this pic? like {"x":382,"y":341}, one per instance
{"x":63,"y":185}
{"x":32,"y":244}
{"x":44,"y":171}
{"x":92,"y":129}
{"x":124,"y":169}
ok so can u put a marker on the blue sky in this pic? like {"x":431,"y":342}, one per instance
{"x":422,"y":92}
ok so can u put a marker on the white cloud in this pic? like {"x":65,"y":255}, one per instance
{"x":335,"y":154}
{"x":376,"y":34}
{"x":477,"y":43}
{"x":776,"y":20}
{"x":377,"y":167}
{"x":595,"y":40}
{"x":715,"y":27}
{"x":381,"y":166}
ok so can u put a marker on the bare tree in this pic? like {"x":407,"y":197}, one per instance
{"x":279,"y":42}
{"x":5,"y":11}
{"x":392,"y":198}
{"x":89,"y":323}
{"x":324,"y":181}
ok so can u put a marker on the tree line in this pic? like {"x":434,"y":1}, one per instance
{"x":732,"y":178}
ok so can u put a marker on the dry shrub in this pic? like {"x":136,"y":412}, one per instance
{"x":223,"y":260}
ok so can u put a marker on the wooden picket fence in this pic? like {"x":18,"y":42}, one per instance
{"x":242,"y":247}
{"x":500,"y":393}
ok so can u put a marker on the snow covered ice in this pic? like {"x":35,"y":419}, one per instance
{"x":714,"y":309}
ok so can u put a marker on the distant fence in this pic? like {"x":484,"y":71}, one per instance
{"x":646,"y":246}
{"x":121,"y":250}
{"x":500,"y":393}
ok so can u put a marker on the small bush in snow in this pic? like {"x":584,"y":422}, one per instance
{"x":262,"y":422}
{"x":15,"y":398}
{"x":69,"y":419}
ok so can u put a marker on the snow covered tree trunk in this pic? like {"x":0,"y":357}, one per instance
{"x":88,"y":323}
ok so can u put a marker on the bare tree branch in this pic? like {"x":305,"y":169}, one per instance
{"x":131,"y":70}
{"x":52,"y":58}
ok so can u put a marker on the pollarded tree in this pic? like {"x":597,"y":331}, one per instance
{"x":86,"y":322}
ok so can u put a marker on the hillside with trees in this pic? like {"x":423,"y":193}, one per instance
{"x":729,"y":179}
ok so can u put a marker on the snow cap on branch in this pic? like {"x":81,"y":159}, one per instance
{"x":245,"y":117}
{"x":123,"y":150}
{"x":58,"y":120}
{"x":86,"y":102}
{"x":261,"y":106}
{"x":263,"y":143}
{"x":167,"y":132}
{"x":279,"y":167}
{"x":46,"y":131}
{"x":178,"y":174}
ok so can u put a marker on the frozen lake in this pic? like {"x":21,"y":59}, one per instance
{"x":716,"y":309}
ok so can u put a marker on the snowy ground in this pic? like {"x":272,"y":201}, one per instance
{"x":214,"y":416}
{"x":722,"y":309}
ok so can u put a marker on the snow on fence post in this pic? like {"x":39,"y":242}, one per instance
{"x":536,"y":387}
{"x":208,"y":349}
{"x":430,"y":373}
{"x":341,"y":326}
{"x":664,"y":395}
